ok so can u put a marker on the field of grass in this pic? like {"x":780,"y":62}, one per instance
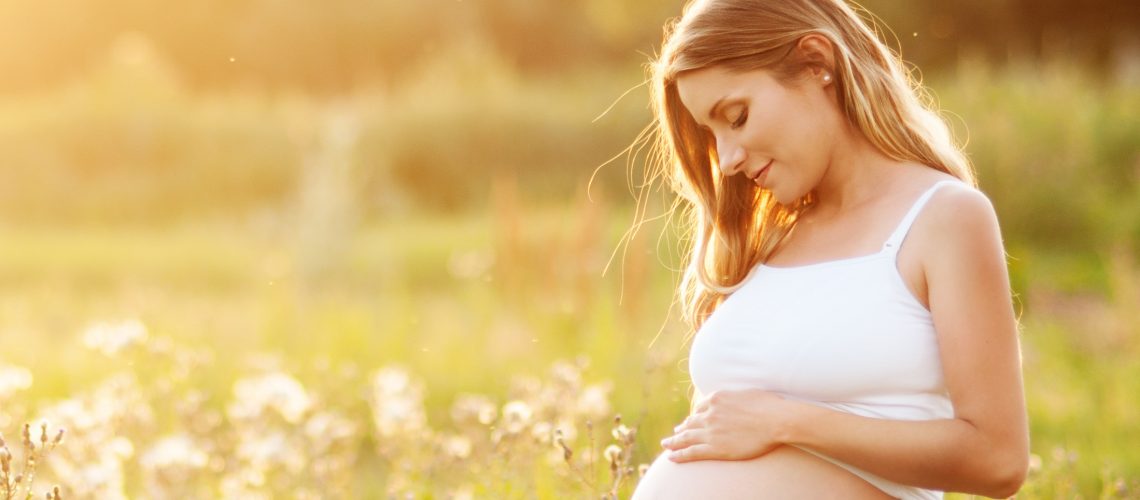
{"x":201,"y":360}
{"x":400,"y":291}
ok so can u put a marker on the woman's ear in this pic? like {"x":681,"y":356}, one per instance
{"x":819,"y":54}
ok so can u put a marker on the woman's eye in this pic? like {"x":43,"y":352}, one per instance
{"x":739,"y":122}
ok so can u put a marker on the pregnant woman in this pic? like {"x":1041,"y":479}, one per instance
{"x":847,"y":284}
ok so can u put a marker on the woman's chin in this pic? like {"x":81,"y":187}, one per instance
{"x":784,"y":196}
{"x":781,"y":195}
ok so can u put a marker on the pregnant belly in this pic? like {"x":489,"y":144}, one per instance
{"x":786,"y":472}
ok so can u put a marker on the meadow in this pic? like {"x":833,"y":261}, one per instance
{"x":409,"y":292}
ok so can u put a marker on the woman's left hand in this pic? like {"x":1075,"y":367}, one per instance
{"x":729,"y":425}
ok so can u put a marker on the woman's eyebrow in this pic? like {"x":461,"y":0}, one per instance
{"x":712,"y":111}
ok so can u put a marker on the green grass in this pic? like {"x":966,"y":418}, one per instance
{"x":393,"y":298}
{"x":264,"y":245}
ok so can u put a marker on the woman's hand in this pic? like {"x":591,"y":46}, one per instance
{"x":729,"y":425}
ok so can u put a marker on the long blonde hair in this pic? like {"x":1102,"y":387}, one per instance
{"x":734,"y":224}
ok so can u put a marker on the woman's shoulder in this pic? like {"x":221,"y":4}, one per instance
{"x":958,"y":222}
{"x":954,"y":200}
{"x":957,"y":204}
{"x":956,"y":215}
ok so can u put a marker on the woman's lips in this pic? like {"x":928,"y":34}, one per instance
{"x":762,"y":174}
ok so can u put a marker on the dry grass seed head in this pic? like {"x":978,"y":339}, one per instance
{"x":27,"y":435}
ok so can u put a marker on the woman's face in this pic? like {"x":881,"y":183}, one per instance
{"x":779,"y":137}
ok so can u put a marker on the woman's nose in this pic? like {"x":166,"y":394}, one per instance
{"x":730,"y":157}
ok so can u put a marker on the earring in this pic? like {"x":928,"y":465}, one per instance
{"x":827,"y":78}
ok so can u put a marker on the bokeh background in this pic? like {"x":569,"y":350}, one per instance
{"x":383,"y":249}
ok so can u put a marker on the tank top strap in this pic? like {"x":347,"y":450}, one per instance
{"x":896,"y":238}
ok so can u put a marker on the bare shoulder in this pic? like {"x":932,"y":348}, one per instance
{"x":959,"y":204}
{"x":960,"y":214}
{"x":960,"y":236}
{"x":953,"y":205}
{"x":956,"y":231}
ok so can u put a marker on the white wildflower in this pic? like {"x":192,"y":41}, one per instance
{"x":594,"y":400}
{"x":612,"y":453}
{"x":465,"y":492}
{"x":91,"y":464}
{"x":457,"y":446}
{"x":12,"y":379}
{"x":397,"y":402}
{"x":516,"y":416}
{"x":566,"y":373}
{"x":622,"y":433}
{"x":277,"y":391}
{"x":243,"y":485}
{"x":121,"y":448}
{"x":263,"y":451}
{"x":178,"y":450}
{"x":542,"y":432}
{"x":326,"y":430}
{"x":111,"y":338}
{"x":473,"y":407}
{"x":329,"y":425}
{"x":566,"y":426}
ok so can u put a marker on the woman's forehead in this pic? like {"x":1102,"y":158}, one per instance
{"x":700,"y":89}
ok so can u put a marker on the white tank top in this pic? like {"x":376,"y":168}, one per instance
{"x":844,"y":334}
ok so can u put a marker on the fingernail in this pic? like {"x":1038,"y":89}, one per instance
{"x":677,"y":428}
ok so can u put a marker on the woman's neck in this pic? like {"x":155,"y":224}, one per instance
{"x":857,"y":174}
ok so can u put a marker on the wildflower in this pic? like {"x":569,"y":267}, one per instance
{"x":623,"y":434}
{"x":276,"y":391}
{"x":27,"y":435}
{"x":112,"y":338}
{"x":397,"y":403}
{"x":525,"y":387}
{"x":594,"y":400}
{"x":12,"y":379}
{"x":328,"y":427}
{"x":121,"y":448}
{"x":473,"y":407}
{"x":174,"y":451}
{"x":465,"y":492}
{"x":1034,"y":463}
{"x":265,"y":450}
{"x":92,"y":465}
{"x":566,"y":373}
{"x":566,"y":426}
{"x":612,"y":454}
{"x":516,"y":416}
{"x":458,"y":447}
{"x":567,"y":453}
{"x":243,"y":485}
{"x":541,"y":432}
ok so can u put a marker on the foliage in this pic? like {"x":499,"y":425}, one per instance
{"x":131,"y":145}
{"x":408,"y":367}
{"x":334,"y":45}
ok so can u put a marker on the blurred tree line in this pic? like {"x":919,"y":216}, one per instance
{"x":333,"y":45}
{"x":136,"y":111}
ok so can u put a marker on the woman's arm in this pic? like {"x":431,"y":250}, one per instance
{"x":984,"y":449}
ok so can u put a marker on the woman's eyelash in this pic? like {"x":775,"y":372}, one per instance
{"x":740,"y":121}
